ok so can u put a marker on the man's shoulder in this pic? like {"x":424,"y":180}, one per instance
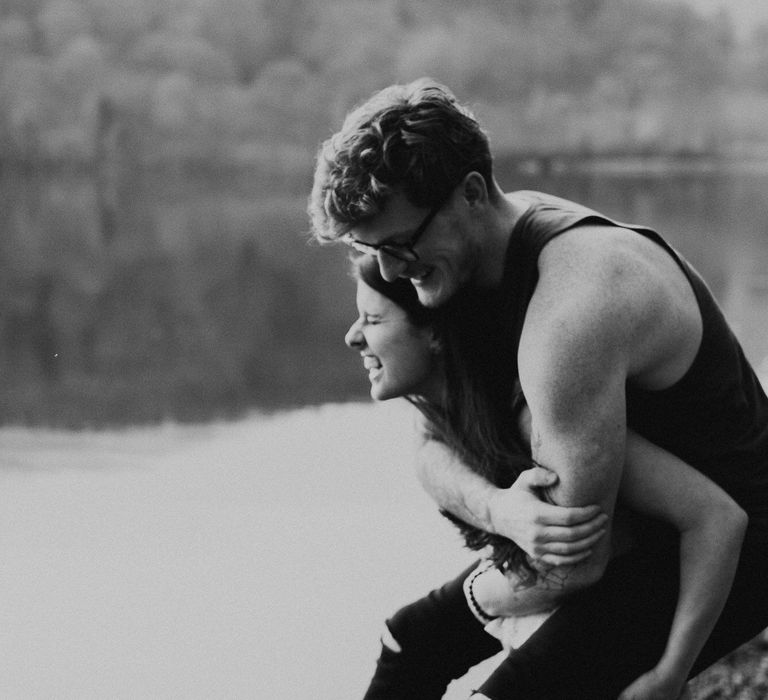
{"x":593,"y":264}
{"x":592,"y":285}
{"x":610,"y":292}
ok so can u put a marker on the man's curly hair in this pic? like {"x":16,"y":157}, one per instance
{"x":414,"y":138}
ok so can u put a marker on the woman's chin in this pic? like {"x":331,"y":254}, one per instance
{"x":380,"y":393}
{"x":377,"y":396}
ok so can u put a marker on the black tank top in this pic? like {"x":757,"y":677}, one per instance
{"x":715,"y":417}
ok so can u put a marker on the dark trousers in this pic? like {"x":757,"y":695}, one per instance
{"x":592,"y":647}
{"x":440,"y":641}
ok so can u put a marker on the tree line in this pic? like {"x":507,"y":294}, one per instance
{"x":156,"y":155}
{"x":259,"y":82}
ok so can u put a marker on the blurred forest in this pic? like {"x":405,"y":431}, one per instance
{"x":155,"y":157}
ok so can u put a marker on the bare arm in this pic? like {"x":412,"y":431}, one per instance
{"x":711,"y":526}
{"x":711,"y":529}
{"x":551,"y":534}
{"x":574,"y":361}
{"x":454,"y":486}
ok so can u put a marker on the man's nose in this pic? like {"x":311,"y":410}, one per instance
{"x":391,"y":268}
{"x":354,"y":336}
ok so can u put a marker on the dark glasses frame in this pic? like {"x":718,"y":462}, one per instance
{"x":400,"y":251}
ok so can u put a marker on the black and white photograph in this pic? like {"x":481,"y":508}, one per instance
{"x":383,"y":350}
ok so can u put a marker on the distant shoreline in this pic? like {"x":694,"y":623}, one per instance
{"x":630,"y":164}
{"x":297,"y":171}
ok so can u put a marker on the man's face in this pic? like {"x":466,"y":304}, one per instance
{"x":446,"y":251}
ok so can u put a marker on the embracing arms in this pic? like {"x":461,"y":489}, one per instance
{"x":573,"y":372}
{"x":608,"y":307}
{"x":577,"y":353}
{"x":712,"y":527}
{"x":554,"y":535}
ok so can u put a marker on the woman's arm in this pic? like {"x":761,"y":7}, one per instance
{"x":712,"y":527}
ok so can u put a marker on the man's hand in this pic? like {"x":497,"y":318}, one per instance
{"x":549,"y":534}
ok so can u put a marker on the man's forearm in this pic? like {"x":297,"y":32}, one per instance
{"x":549,"y":533}
{"x":454,"y":486}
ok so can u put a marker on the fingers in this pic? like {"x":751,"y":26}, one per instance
{"x":569,"y":548}
{"x":569,"y":517}
{"x":537,"y":478}
{"x":577,"y":534}
{"x":561,"y":554}
{"x":563,"y":546}
{"x":564,"y":560}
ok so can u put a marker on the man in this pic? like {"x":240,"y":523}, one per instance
{"x":602,"y":325}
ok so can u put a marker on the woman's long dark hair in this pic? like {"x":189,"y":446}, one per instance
{"x":476,"y":416}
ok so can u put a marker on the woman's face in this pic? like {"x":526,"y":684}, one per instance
{"x":397,"y":353}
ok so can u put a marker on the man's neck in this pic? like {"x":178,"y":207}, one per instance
{"x":502,"y":219}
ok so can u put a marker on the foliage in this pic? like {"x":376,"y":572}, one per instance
{"x":125,"y":298}
{"x":301,"y":65}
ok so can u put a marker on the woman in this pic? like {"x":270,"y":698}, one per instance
{"x":450,"y":374}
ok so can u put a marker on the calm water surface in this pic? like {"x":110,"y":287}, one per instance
{"x":197,"y":297}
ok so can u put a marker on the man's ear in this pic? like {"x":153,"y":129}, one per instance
{"x":435,"y":344}
{"x":474,"y":189}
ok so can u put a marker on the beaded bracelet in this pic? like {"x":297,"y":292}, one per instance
{"x":474,"y":606}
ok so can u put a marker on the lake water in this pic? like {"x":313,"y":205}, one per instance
{"x":193,"y":296}
{"x":252,"y":559}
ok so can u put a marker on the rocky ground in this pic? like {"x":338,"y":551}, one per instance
{"x":743,"y":675}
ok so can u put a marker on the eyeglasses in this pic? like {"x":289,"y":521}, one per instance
{"x":400,"y":251}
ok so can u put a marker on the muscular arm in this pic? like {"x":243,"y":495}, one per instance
{"x":549,"y":533}
{"x":600,"y":314}
{"x":574,"y":361}
{"x":711,"y":525}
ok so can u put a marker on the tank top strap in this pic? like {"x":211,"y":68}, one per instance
{"x":546,"y":217}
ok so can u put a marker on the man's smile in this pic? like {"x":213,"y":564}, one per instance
{"x":419,"y":276}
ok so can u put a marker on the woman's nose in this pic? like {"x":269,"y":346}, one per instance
{"x":390,"y":267}
{"x":354,"y":336}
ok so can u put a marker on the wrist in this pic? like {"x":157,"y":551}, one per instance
{"x":479,"y":610}
{"x":673,"y":669}
{"x":493,"y":509}
{"x":672,"y":674}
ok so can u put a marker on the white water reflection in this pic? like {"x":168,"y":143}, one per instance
{"x":247,"y":560}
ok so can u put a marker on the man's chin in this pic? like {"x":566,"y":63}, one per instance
{"x":428,"y":301}
{"x":429,"y":295}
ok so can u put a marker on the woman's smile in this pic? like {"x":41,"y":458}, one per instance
{"x":373,"y":365}
{"x":396,"y":352}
